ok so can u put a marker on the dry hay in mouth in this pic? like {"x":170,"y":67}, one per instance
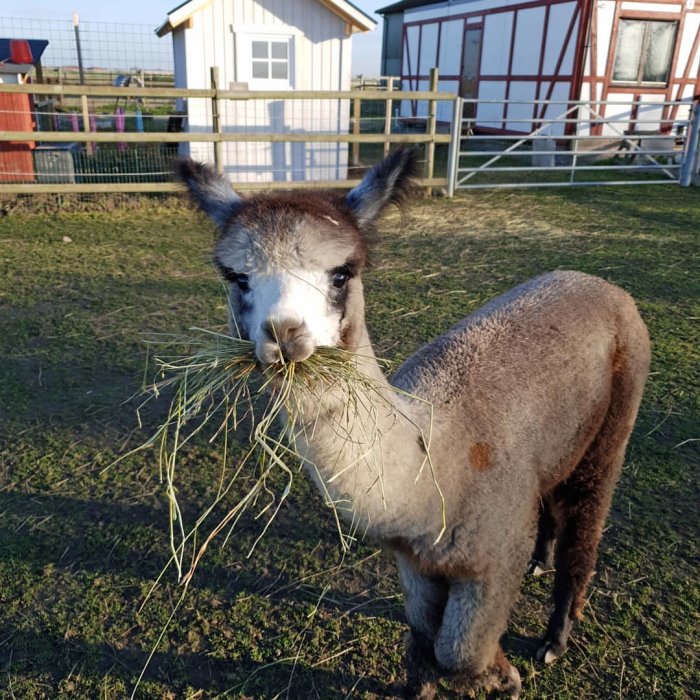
{"x":217,"y":383}
{"x":218,"y":387}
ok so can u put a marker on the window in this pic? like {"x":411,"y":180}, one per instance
{"x":270,"y":59}
{"x":264,"y":60}
{"x":644,"y":51}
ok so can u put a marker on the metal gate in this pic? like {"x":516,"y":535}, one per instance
{"x":548,"y":143}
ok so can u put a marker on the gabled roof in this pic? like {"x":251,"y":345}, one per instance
{"x":354,"y":16}
{"x":406,"y":5}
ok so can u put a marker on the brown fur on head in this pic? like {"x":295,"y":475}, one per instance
{"x":270,"y":245}
{"x":389,"y":182}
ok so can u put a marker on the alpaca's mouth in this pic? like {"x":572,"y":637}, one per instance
{"x":297,"y":349}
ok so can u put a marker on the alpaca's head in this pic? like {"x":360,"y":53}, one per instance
{"x":294,"y":261}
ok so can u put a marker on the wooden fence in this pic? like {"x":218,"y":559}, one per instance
{"x":82,"y":95}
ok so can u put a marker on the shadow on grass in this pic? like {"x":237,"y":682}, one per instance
{"x":103,"y":537}
{"x":90,"y":662}
{"x":80,"y":358}
{"x":91,"y":554}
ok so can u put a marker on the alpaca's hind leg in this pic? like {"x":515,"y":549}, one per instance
{"x":424,"y":602}
{"x":542,"y":555}
{"x":583,"y":502}
{"x":584,"y":505}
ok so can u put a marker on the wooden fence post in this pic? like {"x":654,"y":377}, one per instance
{"x":86,"y":122}
{"x":356,"y":121}
{"x":216,"y":121}
{"x":387,"y":116}
{"x":432,"y":124}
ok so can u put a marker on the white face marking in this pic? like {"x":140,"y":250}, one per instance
{"x":300,"y":296}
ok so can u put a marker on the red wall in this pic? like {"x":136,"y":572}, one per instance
{"x":16,"y":163}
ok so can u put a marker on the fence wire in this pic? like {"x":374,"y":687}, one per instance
{"x":110,"y":51}
{"x":291,"y":140}
{"x":90,"y":162}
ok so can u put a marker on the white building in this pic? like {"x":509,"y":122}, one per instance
{"x":641,"y":52}
{"x":268,"y":45}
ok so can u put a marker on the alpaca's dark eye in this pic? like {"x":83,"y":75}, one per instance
{"x":240,"y":279}
{"x":243,"y":282}
{"x":340,"y":276}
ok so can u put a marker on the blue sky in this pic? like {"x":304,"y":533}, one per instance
{"x":366,"y":47}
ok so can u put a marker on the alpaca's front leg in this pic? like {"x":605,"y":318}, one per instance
{"x":424,"y":602}
{"x":467,"y":644}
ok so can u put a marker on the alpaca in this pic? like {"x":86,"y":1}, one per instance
{"x":496,"y":445}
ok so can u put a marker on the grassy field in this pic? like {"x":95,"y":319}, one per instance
{"x":81,"y":546}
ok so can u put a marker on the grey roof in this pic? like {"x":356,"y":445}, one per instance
{"x":361,"y":11}
{"x":406,"y":5}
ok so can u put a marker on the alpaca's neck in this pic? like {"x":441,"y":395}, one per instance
{"x":367,"y":454}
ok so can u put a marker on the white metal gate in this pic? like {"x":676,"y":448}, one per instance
{"x":547,"y":143}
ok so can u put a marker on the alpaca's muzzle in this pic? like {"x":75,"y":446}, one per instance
{"x":284,"y":339}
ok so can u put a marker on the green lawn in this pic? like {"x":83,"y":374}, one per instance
{"x":81,"y":546}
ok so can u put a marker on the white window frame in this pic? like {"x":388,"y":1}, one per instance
{"x":244,"y":59}
{"x":639,"y":80}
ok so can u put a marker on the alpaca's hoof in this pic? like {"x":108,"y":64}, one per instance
{"x":509,"y":683}
{"x":500,"y":679}
{"x":421,"y":667}
{"x":549,"y":652}
{"x":536,"y":568}
{"x":426,"y":692}
{"x":512,"y":684}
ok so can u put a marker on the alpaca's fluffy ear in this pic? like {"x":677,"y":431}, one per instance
{"x":211,"y":192}
{"x":388,"y":182}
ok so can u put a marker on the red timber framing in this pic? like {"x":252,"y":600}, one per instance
{"x":575,"y":88}
{"x":583,"y":28}
{"x":674,"y":88}
{"x":545,"y":84}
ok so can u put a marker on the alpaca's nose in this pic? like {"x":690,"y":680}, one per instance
{"x":283,"y":330}
{"x":288,"y":335}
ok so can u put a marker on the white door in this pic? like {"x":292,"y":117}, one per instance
{"x":263,"y":62}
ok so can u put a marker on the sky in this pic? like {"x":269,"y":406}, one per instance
{"x":366,"y":48}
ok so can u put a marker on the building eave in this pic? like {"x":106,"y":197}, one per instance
{"x":360,"y":21}
{"x":164,"y":28}
{"x":357,"y":20}
{"x":407,"y":5}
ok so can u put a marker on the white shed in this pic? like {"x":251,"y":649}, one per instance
{"x":268,"y":45}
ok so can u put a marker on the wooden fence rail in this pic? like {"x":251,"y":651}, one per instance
{"x":214,"y":137}
{"x":111,"y":91}
{"x":218,"y":135}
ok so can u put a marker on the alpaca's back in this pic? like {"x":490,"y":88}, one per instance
{"x":532,"y":370}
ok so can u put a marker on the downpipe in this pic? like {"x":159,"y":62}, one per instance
{"x":690,"y":154}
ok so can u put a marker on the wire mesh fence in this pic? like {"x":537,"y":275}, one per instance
{"x":83,"y":136}
{"x":109,"y":52}
{"x":124,"y":139}
{"x":104,"y":138}
{"x":93,"y":162}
